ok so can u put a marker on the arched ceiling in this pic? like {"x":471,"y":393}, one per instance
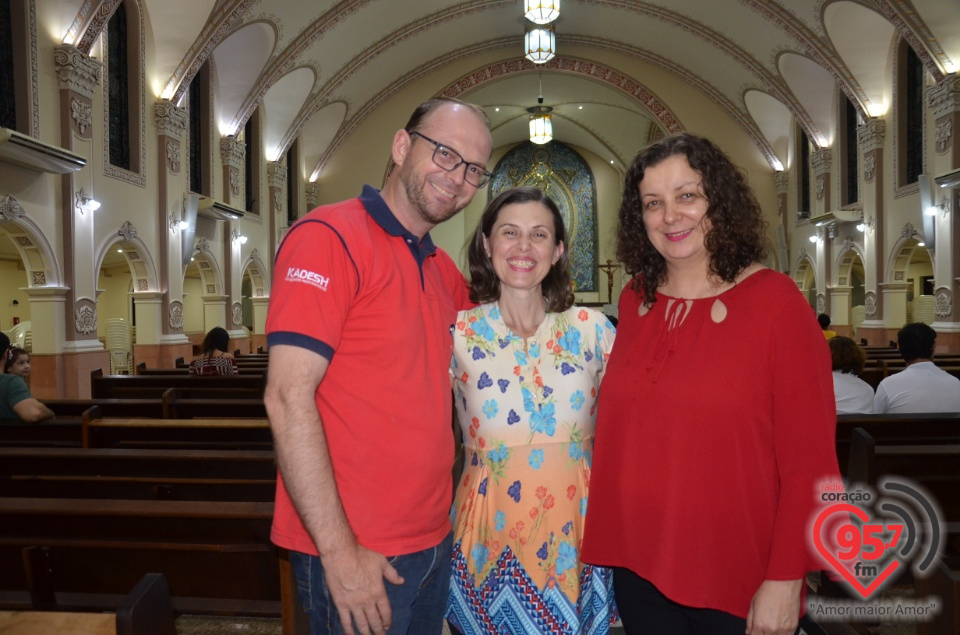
{"x":319,"y":68}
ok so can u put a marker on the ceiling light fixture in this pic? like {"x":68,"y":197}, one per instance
{"x":541,"y":11}
{"x":540,"y":42}
{"x":541,"y":123}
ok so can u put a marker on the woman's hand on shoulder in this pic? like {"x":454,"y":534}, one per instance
{"x":775,"y":609}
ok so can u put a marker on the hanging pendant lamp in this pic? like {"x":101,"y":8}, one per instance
{"x":541,"y":11}
{"x":540,"y":42}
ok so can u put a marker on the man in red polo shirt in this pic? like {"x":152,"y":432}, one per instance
{"x":358,"y":391}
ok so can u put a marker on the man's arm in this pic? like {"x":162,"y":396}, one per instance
{"x":354,"y":574}
{"x":32,"y":411}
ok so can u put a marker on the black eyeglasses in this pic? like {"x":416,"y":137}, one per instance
{"x":450,"y":160}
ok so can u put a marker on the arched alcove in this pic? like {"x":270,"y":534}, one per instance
{"x":566,"y":177}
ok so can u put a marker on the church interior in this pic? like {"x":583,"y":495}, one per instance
{"x":153,"y":153}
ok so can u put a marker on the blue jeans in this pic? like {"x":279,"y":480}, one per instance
{"x":417,"y":605}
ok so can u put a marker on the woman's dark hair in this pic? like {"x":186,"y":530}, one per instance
{"x":737,"y":234}
{"x":216,"y":340}
{"x":11,"y":356}
{"x":824,"y":321}
{"x":484,"y":284}
{"x":847,"y":356}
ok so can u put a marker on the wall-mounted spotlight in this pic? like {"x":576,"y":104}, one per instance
{"x":239,"y":238}
{"x":941,"y":208}
{"x":176,"y":223}
{"x":85,"y":203}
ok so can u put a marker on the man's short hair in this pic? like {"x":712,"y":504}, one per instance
{"x":915,"y":341}
{"x":824,"y":320}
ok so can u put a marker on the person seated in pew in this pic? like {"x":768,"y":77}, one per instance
{"x":214,"y":358}
{"x":921,"y":386}
{"x":824,"y":320}
{"x":853,"y":395}
{"x":17,"y":362}
{"x":15,"y":399}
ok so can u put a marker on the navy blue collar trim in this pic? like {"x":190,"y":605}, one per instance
{"x":383,"y":215}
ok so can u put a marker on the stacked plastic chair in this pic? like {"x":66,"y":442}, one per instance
{"x":924,"y":309}
{"x":120,"y":345}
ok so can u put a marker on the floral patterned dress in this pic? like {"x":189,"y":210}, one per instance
{"x":527,"y":409}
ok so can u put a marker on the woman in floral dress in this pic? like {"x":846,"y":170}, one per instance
{"x":526,"y":370}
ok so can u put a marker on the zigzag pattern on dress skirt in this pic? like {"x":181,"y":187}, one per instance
{"x":509,"y":603}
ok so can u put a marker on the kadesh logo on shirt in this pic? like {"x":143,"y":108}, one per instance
{"x":295,"y":274}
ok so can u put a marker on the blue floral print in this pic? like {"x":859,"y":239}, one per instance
{"x":566,"y":557}
{"x":576,"y":400}
{"x":484,"y":381}
{"x":536,"y":459}
{"x":514,"y":492}
{"x":499,"y":520}
{"x":490,"y":408}
{"x":480,"y":553}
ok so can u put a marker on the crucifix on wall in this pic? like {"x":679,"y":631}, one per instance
{"x":609,"y":269}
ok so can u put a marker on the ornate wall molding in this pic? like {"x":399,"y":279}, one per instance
{"x":171,"y":121}
{"x":173,"y":157}
{"x":237,"y":316}
{"x":944,"y":303}
{"x":944,"y":135}
{"x":870,"y":136}
{"x":175,"y":315}
{"x":821,"y":186}
{"x":76,"y":71}
{"x":85,"y":314}
{"x":10,"y":208}
{"x":127,"y":231}
{"x":870,"y":304}
{"x":821,"y":304}
{"x":81,"y":113}
{"x":869,"y":167}
{"x":203,"y":245}
{"x":944,"y":98}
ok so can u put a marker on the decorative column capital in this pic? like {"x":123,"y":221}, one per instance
{"x":171,"y":121}
{"x":821,"y":161}
{"x":312,"y":192}
{"x":76,"y":71}
{"x":870,"y":135}
{"x":944,"y":98}
{"x":276,"y":174}
{"x":782,"y":182}
{"x":232,"y":151}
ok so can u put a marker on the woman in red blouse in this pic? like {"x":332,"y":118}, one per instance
{"x":716,"y":418}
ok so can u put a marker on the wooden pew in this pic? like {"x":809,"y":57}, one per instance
{"x":152,"y":387}
{"x":134,"y":474}
{"x":244,"y":434}
{"x":217,"y":556}
{"x":60,"y":432}
{"x":934,"y":466}
{"x":930,"y":428}
{"x":176,"y":406}
{"x":146,"y":610}
{"x":109,"y":407}
{"x":945,"y":583}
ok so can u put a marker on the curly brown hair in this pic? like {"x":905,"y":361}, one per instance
{"x":484,"y":284}
{"x":847,"y":356}
{"x":737,"y":235}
